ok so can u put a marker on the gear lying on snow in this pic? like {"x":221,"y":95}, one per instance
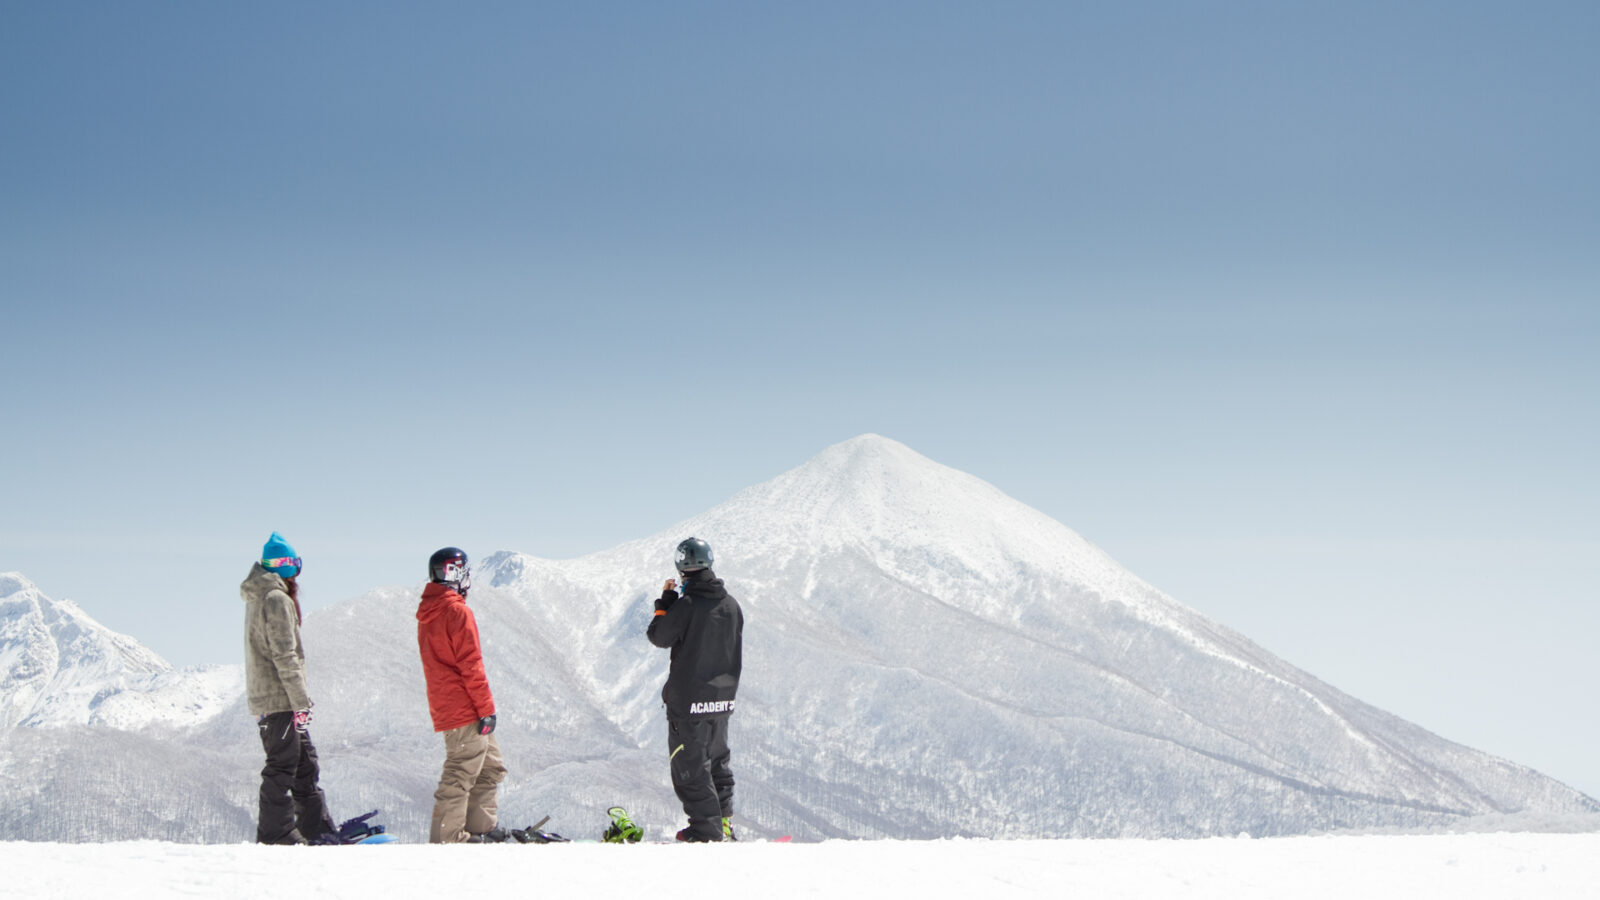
{"x":532,"y":834}
{"x":357,"y":831}
{"x":622,"y":830}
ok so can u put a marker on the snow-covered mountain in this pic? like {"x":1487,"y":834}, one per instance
{"x":924,"y":655}
{"x":97,"y":732}
{"x":60,"y":667}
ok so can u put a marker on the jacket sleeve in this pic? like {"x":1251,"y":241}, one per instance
{"x":281,"y":631}
{"x":668,"y":623}
{"x":468,"y":653}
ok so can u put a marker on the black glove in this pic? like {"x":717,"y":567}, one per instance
{"x":486,"y":725}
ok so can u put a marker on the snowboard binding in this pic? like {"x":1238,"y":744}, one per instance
{"x":356,"y":831}
{"x":532,"y":834}
{"x":622,"y":829}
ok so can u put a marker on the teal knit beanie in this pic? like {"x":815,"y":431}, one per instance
{"x":279,"y":558}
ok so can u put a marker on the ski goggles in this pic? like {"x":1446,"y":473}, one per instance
{"x":458,"y":575}
{"x":282,"y":561}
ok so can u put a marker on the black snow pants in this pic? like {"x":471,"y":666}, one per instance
{"x":700,"y":774}
{"x":290,"y":796}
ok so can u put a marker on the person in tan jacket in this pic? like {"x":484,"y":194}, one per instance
{"x":292,"y":807}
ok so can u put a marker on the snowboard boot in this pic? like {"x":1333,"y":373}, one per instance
{"x":496,"y":835}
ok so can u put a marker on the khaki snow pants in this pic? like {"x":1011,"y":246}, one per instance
{"x":465,"y":803}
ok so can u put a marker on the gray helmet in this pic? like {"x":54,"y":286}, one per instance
{"x":693,"y":555}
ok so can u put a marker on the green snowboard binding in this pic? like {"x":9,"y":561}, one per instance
{"x":622,"y":830}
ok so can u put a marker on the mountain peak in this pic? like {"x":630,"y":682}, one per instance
{"x":56,"y":661}
{"x":869,"y":444}
{"x":873,"y":468}
{"x":13,"y":583}
{"x":874,"y":501}
{"x":865,"y":452}
{"x":872,"y":490}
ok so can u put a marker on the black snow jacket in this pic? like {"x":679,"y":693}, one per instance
{"x":705,"y":630}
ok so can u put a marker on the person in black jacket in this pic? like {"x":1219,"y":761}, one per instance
{"x":705,"y":631}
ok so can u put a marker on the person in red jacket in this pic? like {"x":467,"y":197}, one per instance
{"x":465,"y":806}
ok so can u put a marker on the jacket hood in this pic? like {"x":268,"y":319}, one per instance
{"x":436,"y":598}
{"x":260,"y":582}
{"x":703,"y":584}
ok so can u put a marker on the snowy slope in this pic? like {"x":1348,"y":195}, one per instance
{"x":1460,"y":867}
{"x":925,"y":657}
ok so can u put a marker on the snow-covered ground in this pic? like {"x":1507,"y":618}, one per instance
{"x":1459,"y":867}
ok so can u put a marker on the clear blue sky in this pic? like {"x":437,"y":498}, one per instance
{"x":1292,"y":308}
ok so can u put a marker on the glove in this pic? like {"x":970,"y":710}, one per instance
{"x":486,"y":725}
{"x":302,"y":718}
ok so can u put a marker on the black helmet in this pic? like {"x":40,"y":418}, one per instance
{"x":449,"y":566}
{"x":693,"y":555}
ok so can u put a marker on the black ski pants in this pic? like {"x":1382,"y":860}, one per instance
{"x":700,"y":774}
{"x":290,"y":796}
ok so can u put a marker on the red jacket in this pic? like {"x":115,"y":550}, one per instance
{"x":452,"y":659}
